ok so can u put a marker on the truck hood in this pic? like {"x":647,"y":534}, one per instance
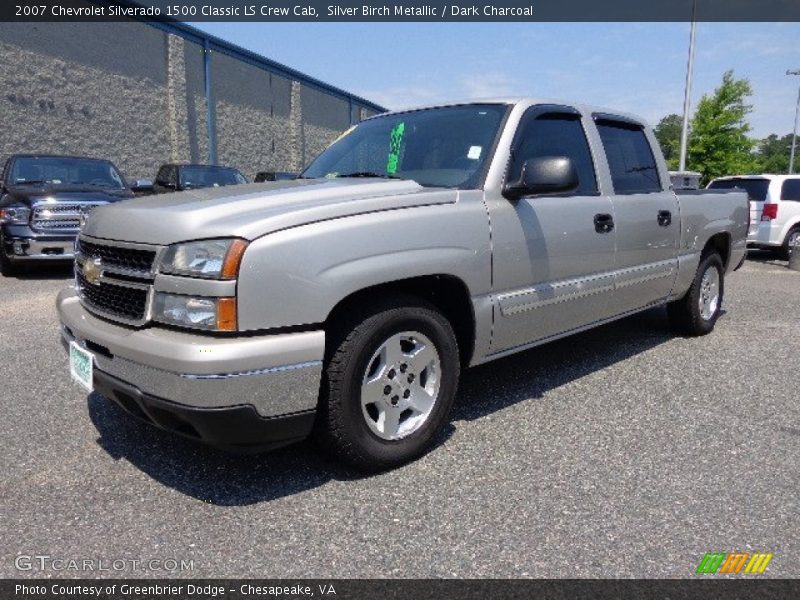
{"x":253,"y":210}
{"x":29,"y":195}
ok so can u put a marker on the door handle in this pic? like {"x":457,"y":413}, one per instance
{"x":603,"y":223}
{"x":664,"y":218}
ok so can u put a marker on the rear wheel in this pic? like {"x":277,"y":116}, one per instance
{"x":391,"y":378}
{"x":697,"y":312}
{"x":792,"y":239}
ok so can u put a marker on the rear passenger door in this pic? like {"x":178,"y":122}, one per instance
{"x":646,"y":215}
{"x":553,"y":255}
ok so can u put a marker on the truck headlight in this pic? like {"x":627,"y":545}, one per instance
{"x":209,"y":259}
{"x":212,"y":314}
{"x":17,"y":214}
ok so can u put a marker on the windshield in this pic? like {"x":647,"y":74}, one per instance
{"x":438,"y":147}
{"x":65,"y":171}
{"x":756,"y":188}
{"x":201,"y":176}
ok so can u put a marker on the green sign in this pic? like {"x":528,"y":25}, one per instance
{"x":395,"y":145}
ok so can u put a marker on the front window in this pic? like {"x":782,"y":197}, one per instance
{"x":64,"y":171}
{"x":437,"y":147}
{"x":202,"y":176}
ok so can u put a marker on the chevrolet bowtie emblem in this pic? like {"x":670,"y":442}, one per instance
{"x":92,"y":271}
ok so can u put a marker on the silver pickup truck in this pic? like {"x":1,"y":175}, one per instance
{"x":346,"y":302}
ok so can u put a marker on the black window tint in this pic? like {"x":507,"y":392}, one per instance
{"x":630,"y":158}
{"x":790,"y":190}
{"x":756,"y":188}
{"x":556,"y":134}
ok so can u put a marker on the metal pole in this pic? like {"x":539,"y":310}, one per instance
{"x":794,"y":133}
{"x":211,"y":116}
{"x":687,"y":98}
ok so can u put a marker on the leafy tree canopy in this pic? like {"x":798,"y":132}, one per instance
{"x":718,"y":142}
{"x":773,"y":154}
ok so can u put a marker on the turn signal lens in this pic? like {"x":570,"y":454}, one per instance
{"x":233,"y":258}
{"x":226,"y":314}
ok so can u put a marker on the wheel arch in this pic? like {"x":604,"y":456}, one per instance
{"x":448,"y":293}
{"x":721,"y":243}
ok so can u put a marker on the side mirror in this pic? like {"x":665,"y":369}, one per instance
{"x":140,"y":186}
{"x":542,"y":176}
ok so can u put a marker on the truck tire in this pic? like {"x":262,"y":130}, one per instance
{"x":697,"y":312}
{"x":390,"y":378}
{"x":7,"y":267}
{"x":791,"y":238}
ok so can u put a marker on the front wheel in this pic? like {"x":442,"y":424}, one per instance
{"x":697,"y":312}
{"x":7,"y":267}
{"x":391,"y":378}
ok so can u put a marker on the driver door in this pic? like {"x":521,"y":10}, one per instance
{"x":553,"y":256}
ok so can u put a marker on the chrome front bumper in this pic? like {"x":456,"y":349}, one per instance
{"x":276,"y":374}
{"x":33,"y":250}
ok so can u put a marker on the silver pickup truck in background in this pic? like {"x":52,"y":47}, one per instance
{"x":346,"y":302}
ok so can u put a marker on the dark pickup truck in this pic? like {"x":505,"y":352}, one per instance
{"x":262,"y":176}
{"x":178,"y":177}
{"x":43,"y":200}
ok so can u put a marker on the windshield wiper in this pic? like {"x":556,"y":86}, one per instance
{"x":32,"y":182}
{"x":369,"y":174}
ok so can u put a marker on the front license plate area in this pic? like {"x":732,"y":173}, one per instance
{"x":81,"y":366}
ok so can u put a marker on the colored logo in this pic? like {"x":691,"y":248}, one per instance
{"x":734,"y":562}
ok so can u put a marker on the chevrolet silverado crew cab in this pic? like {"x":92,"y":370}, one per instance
{"x":774,"y":209}
{"x":42,"y":202}
{"x":345,"y":303}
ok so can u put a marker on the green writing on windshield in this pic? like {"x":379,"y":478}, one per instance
{"x":395,"y":143}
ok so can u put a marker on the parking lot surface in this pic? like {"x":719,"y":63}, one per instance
{"x":621,"y":452}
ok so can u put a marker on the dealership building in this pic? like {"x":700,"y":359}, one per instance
{"x":142,"y":94}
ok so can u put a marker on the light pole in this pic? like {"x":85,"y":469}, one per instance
{"x":796,"y":114}
{"x":687,"y":98}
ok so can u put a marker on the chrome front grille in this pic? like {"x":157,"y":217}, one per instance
{"x":117,"y":301}
{"x":131,"y":259}
{"x":60,"y":216}
{"x":118,"y":284}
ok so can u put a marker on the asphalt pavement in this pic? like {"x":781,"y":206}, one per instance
{"x":621,"y":452}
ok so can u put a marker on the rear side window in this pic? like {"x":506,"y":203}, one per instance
{"x":756,"y":188}
{"x":790,"y":190}
{"x":630,"y":158}
{"x":557,"y":134}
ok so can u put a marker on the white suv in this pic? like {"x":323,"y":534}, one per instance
{"x":774,"y":209}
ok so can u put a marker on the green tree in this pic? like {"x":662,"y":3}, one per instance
{"x":773,"y":154}
{"x":668,"y":133}
{"x":718,"y":144}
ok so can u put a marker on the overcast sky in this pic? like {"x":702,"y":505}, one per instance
{"x":636,"y":67}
